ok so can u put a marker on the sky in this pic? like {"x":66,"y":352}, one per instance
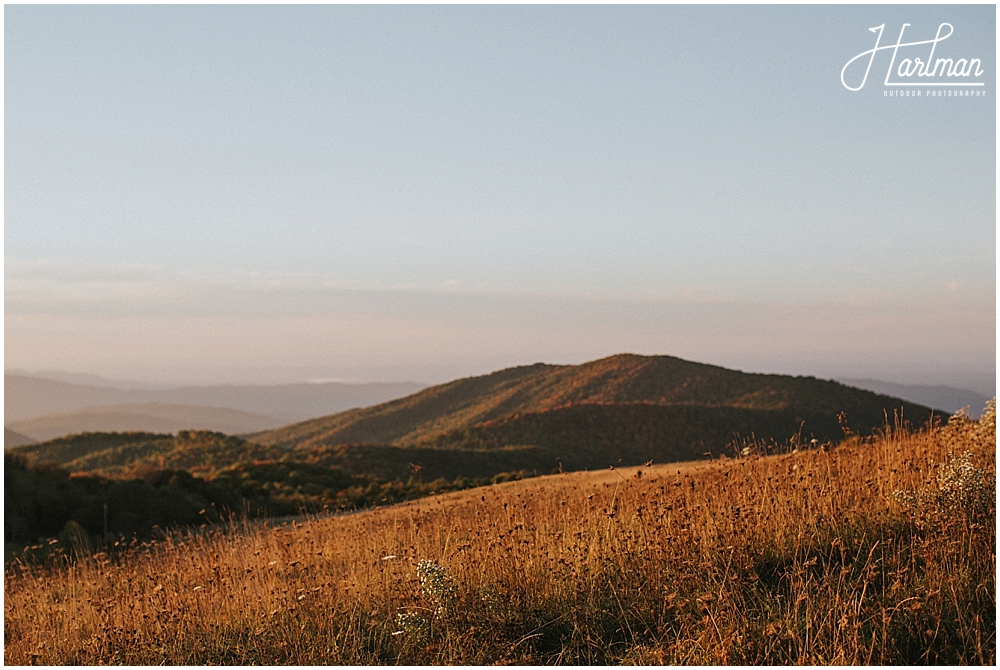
{"x":264,"y":194}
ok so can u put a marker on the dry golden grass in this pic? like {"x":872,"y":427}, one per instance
{"x":800,"y":558}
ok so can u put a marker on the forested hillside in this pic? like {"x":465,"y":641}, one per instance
{"x":725,"y":405}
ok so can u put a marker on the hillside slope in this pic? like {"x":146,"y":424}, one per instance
{"x":479,"y":411}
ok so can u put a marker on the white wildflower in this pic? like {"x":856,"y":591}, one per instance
{"x":962,"y":486}
{"x":962,"y":490}
{"x":435,"y":582}
{"x":411,"y":624}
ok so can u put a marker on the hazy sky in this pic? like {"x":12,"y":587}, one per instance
{"x":261,"y":194}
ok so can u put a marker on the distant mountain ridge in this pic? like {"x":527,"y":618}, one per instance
{"x":152,"y":417}
{"x":946,"y":398}
{"x":86,"y":379}
{"x":30,"y":397}
{"x":495,"y":410}
{"x":14,"y":439}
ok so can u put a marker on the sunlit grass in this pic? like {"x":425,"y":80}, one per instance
{"x":832,"y":555}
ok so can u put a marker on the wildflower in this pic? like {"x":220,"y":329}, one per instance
{"x":962,"y":486}
{"x":962,"y":489}
{"x":435,"y":582}
{"x":411,"y":624}
{"x":980,"y":434}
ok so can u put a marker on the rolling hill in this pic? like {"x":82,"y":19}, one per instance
{"x":207,"y":454}
{"x":147,"y":479}
{"x":625,"y":407}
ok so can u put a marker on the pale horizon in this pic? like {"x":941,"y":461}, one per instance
{"x":433,"y":375}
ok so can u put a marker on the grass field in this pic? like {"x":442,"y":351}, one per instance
{"x":875,"y":551}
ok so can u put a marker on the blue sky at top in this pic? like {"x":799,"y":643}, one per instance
{"x":262,"y":193}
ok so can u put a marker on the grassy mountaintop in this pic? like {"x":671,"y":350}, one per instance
{"x":873,"y":552}
{"x":491,"y":405}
